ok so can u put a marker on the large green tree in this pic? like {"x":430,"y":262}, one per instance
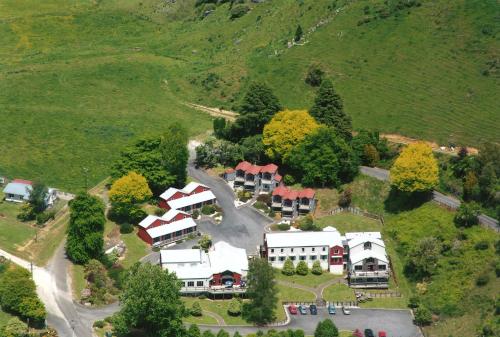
{"x":423,"y":258}
{"x":38,"y":198}
{"x":257,"y":108}
{"x":86,"y":228}
{"x":150,"y":302}
{"x":161,"y":160}
{"x":262,"y":292}
{"x":323,"y":158}
{"x":328,"y":109}
{"x":326,"y":328}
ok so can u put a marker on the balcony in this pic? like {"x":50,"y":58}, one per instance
{"x":361,"y":273}
{"x":239,"y":178}
{"x":249,"y":182}
{"x":288,"y":208}
{"x":276,"y":205}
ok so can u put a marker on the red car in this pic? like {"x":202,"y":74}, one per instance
{"x":382,"y":334}
{"x":357,"y":333}
{"x":292,"y":309}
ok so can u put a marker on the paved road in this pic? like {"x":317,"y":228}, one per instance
{"x":438,"y":197}
{"x":397,"y":323}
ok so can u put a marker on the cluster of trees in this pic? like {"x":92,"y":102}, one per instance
{"x":18,"y":296}
{"x":302,"y":269}
{"x":36,"y":207}
{"x":102,"y":289}
{"x":86,"y":228}
{"x":161,"y":160}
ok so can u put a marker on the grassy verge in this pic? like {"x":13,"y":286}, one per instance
{"x":339,"y":293}
{"x":348,"y":222}
{"x":77,"y":280}
{"x":136,"y":248}
{"x":309,"y":280}
{"x":386,"y":303}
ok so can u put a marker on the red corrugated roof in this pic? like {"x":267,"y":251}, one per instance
{"x":291,"y":195}
{"x":307,"y":193}
{"x":244,"y":165}
{"x":277,"y":177}
{"x":269,"y":168}
{"x":280,"y":190}
{"x":23,"y":181}
{"x":229,"y":170}
{"x":254,"y":169}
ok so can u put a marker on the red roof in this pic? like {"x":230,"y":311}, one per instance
{"x":244,"y":165}
{"x":307,"y":193}
{"x":269,"y":168}
{"x":280,"y":190}
{"x":291,"y":195}
{"x":254,"y":169}
{"x":229,"y":170}
{"x":22,"y":181}
{"x":277,"y":177}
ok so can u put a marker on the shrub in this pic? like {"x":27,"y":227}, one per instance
{"x":414,"y":302}
{"x":202,"y":297}
{"x":45,"y":216}
{"x":307,"y":224}
{"x":244,"y":196}
{"x":27,"y":213}
{"x":316,"y":268}
{"x":423,"y":316}
{"x":208,"y":209}
{"x":238,"y":11}
{"x":99,"y":324}
{"x":234,"y":308}
{"x":482,"y":280}
{"x":288,"y":268}
{"x":466,"y":215}
{"x":314,"y":76}
{"x":196,"y":214}
{"x":205,"y":241}
{"x":260,"y":205}
{"x":195,"y":309}
{"x":126,"y":228}
{"x":264,"y":198}
{"x":288,"y":179}
{"x":497,"y":269}
{"x":482,"y":245}
{"x":345,"y":198}
{"x":272,"y":213}
{"x":302,"y":268}
{"x":283,"y":226}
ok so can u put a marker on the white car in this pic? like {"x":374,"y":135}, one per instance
{"x":346,"y":311}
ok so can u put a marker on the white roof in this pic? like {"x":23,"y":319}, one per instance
{"x":171,"y":227}
{"x":168,"y":193}
{"x":172,"y":214}
{"x":365,"y":254}
{"x":196,"y":264}
{"x":18,"y":189}
{"x":191,"y":187}
{"x":303,"y":239}
{"x":353,"y":235}
{"x":330,"y":229}
{"x":147,"y":221}
{"x":362,"y":239}
{"x":191,"y":200}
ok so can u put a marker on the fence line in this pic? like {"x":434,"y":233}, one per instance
{"x":358,"y":211}
{"x":336,"y":303}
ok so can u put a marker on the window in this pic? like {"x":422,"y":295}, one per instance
{"x":370,"y":260}
{"x":324,"y":249}
{"x":358,"y":267}
{"x":191,"y":284}
{"x":313,"y":249}
{"x":368,"y":245}
{"x":183,"y":284}
{"x":282,"y":258}
{"x":382,"y":267}
{"x":272,"y":259}
{"x":199,"y":283}
{"x":335,"y":251}
{"x":323,"y":257}
{"x":272,"y":250}
{"x":281,"y":250}
{"x":303,"y":249}
{"x":292,"y":258}
{"x":302,"y":258}
{"x":291,"y":250}
{"x":313,"y":257}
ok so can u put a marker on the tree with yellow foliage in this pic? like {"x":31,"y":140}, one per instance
{"x":287,"y":129}
{"x":416,"y":169}
{"x":131,"y":189}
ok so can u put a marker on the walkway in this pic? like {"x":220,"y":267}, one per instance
{"x":217,"y":317}
{"x":438,"y":197}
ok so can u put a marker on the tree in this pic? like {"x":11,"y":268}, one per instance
{"x":314,"y":76}
{"x":423,"y":258}
{"x":161,"y":160}
{"x":467,"y":215}
{"x":86,"y":228}
{"x":316,"y":268}
{"x":307,"y":224}
{"x":150,"y":302}
{"x":234,"y":308}
{"x":286,"y":130}
{"x":130,"y":189}
{"x":369,"y":147}
{"x":196,"y":309}
{"x":423,"y":316}
{"x":326,"y":328}
{"x":415,"y":170}
{"x":38,"y":198}
{"x":219,"y":126}
{"x":257,"y":108}
{"x":14,"y":328}
{"x":328,"y":109}
{"x":298,"y":33}
{"x":222,"y":333}
{"x":205,"y":241}
{"x":470,"y":186}
{"x":252,"y":149}
{"x":194,"y":331}
{"x":371,"y":155}
{"x":262,"y":292}
{"x":323,"y":159}
{"x":302,"y":268}
{"x":345,"y":198}
{"x":288,"y":268}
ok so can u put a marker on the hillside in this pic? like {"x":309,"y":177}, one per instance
{"x":81,"y":79}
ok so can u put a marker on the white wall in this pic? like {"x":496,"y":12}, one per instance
{"x":297,"y":252}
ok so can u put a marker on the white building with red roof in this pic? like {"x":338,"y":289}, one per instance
{"x":192,"y":196}
{"x":172,"y":226}
{"x":292,"y":202}
{"x":254,"y":178}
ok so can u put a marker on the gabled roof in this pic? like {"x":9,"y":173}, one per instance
{"x":269,"y":168}
{"x":291,"y":195}
{"x":23,"y":181}
{"x":191,"y":200}
{"x":148,"y":221}
{"x":307,"y":193}
{"x":360,"y":240}
{"x":243,"y":165}
{"x":229,"y":170}
{"x":365,"y":254}
{"x":254,"y":169}
{"x":189,"y":188}
{"x":172,"y":213}
{"x":280,"y":190}
{"x":277,"y":177}
{"x":18,"y":188}
{"x":169,"y":193}
{"x":224,"y":257}
{"x":173,"y":227}
{"x":303,"y":239}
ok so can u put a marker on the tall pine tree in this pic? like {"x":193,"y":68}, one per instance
{"x":328,"y":109}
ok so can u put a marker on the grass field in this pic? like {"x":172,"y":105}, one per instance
{"x":81,"y":79}
{"x":348,"y":222}
{"x":309,"y":280}
{"x":13,"y":233}
{"x":339,"y":293}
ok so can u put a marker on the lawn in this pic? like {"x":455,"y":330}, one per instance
{"x":289,"y":294}
{"x":13,"y":233}
{"x":216,"y":306}
{"x":339,"y":293}
{"x":309,"y":280}
{"x":78,"y":281}
{"x":348,"y":222}
{"x":136,"y":248}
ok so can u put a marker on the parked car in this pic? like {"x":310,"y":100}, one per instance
{"x":369,"y":333}
{"x":228,"y":284}
{"x":331,"y":309}
{"x":382,"y":334}
{"x":357,"y":333}
{"x":302,"y":309}
{"x":292,"y":309}
{"x":313,"y":309}
{"x":346,"y":311}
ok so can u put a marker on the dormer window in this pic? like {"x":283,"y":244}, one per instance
{"x":368,"y":245}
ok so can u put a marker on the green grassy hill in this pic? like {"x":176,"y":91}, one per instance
{"x":80,"y":79}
